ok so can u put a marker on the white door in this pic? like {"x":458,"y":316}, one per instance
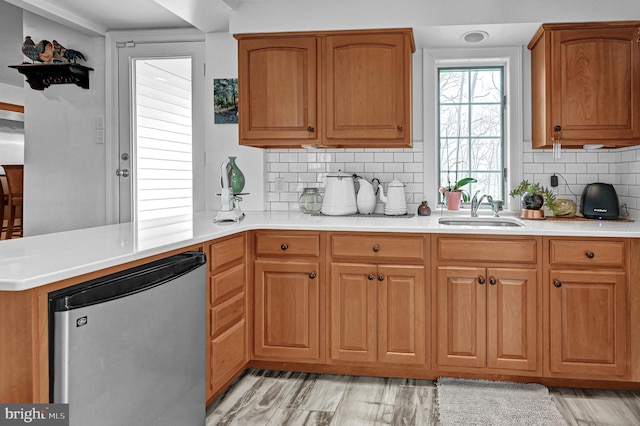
{"x":157,"y":88}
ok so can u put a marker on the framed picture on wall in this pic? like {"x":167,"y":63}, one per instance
{"x":225,"y":100}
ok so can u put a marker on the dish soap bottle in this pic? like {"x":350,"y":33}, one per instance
{"x":424,"y":209}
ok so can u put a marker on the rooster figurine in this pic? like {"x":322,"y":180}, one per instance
{"x":29,"y":49}
{"x":45,"y":51}
{"x":66,"y":55}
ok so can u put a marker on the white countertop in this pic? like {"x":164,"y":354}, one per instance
{"x":43,"y":259}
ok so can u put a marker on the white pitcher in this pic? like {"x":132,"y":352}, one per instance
{"x":366,"y":199}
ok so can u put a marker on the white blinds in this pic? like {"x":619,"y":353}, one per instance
{"x":163,"y":157}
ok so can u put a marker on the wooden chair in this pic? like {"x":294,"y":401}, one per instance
{"x":4,"y":201}
{"x":15,"y":179}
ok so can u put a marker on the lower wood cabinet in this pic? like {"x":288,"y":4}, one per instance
{"x":587,"y":308}
{"x":377,"y":314}
{"x":227,"y":352}
{"x":487,"y":304}
{"x":487,"y":317}
{"x":286,"y":311}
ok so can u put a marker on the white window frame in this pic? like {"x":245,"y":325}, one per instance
{"x":511,"y":59}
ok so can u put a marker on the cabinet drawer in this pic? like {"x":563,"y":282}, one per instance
{"x":587,"y":252}
{"x":227,"y":355}
{"x":487,"y":250}
{"x":286,"y":244}
{"x":227,"y":283}
{"x":226,"y":314}
{"x":406,"y":248}
{"x":224,"y":253}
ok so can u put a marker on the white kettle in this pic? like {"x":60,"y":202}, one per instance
{"x":339,"y":195}
{"x":366,"y":198}
{"x":395,"y":203}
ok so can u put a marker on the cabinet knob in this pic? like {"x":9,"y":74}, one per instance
{"x":371,"y":277}
{"x":310,"y":129}
{"x":376,"y":248}
{"x":284,"y":246}
{"x":557,"y":283}
{"x":380,"y":277}
{"x":481,"y":280}
{"x":493,"y":281}
{"x":400,"y":127}
{"x":590,"y":254}
{"x":312,"y":275}
{"x":557,"y":128}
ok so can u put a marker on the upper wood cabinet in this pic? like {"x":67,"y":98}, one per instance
{"x":585,"y":84}
{"x":333,"y":89}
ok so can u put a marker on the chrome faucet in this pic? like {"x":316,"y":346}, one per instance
{"x":475,"y":203}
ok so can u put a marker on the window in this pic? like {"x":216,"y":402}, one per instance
{"x":508,"y":59}
{"x":471,"y":141}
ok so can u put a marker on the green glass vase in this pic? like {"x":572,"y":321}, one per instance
{"x":236,"y":177}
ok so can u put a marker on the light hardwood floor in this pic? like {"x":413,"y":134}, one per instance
{"x":262,"y":397}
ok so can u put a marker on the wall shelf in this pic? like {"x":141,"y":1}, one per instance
{"x":41,"y":76}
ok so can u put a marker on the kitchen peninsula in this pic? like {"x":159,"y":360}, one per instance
{"x":414,"y":264}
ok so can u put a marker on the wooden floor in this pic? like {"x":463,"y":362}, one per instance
{"x":262,"y":397}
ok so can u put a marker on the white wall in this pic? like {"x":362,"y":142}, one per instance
{"x":10,"y":53}
{"x":222,"y":139}
{"x":64,"y":183}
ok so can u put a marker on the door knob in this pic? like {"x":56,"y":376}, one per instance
{"x":122,"y":172}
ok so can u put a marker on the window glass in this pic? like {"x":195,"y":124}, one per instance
{"x":471,"y":131}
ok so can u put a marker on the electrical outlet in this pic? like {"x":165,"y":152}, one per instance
{"x":279,"y":184}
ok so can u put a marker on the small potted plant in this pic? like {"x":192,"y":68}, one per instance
{"x":454,"y":194}
{"x":534,"y":197}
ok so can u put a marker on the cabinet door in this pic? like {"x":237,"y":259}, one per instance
{"x":461,"y":303}
{"x":401,"y":315}
{"x":277,"y":87}
{"x":512,"y":319}
{"x":368,"y":89}
{"x":588,"y":322}
{"x":287,"y":310}
{"x":596,"y":84}
{"x":353,"y":312}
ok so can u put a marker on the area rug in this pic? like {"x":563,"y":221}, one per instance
{"x":482,"y":402}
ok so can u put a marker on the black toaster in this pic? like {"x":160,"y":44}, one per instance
{"x":599,"y":201}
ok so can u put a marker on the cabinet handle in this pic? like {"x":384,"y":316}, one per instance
{"x":493,"y":281}
{"x":380,"y":277}
{"x":590,"y":254}
{"x":480,"y":280}
{"x":284,"y":246}
{"x":376,"y":248}
{"x":312,"y":275}
{"x":557,"y":283}
{"x":400,"y":127}
{"x":310,"y":129}
{"x":371,"y":277}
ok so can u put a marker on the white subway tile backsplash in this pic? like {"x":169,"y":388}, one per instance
{"x":575,"y":169}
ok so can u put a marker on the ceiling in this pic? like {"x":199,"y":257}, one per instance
{"x":435,"y":24}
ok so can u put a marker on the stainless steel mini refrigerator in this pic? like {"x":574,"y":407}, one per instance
{"x":129,"y":348}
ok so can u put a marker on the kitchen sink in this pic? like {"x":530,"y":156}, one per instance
{"x":479,"y":221}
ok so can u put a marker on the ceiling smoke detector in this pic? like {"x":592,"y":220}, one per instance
{"x":475,"y":36}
